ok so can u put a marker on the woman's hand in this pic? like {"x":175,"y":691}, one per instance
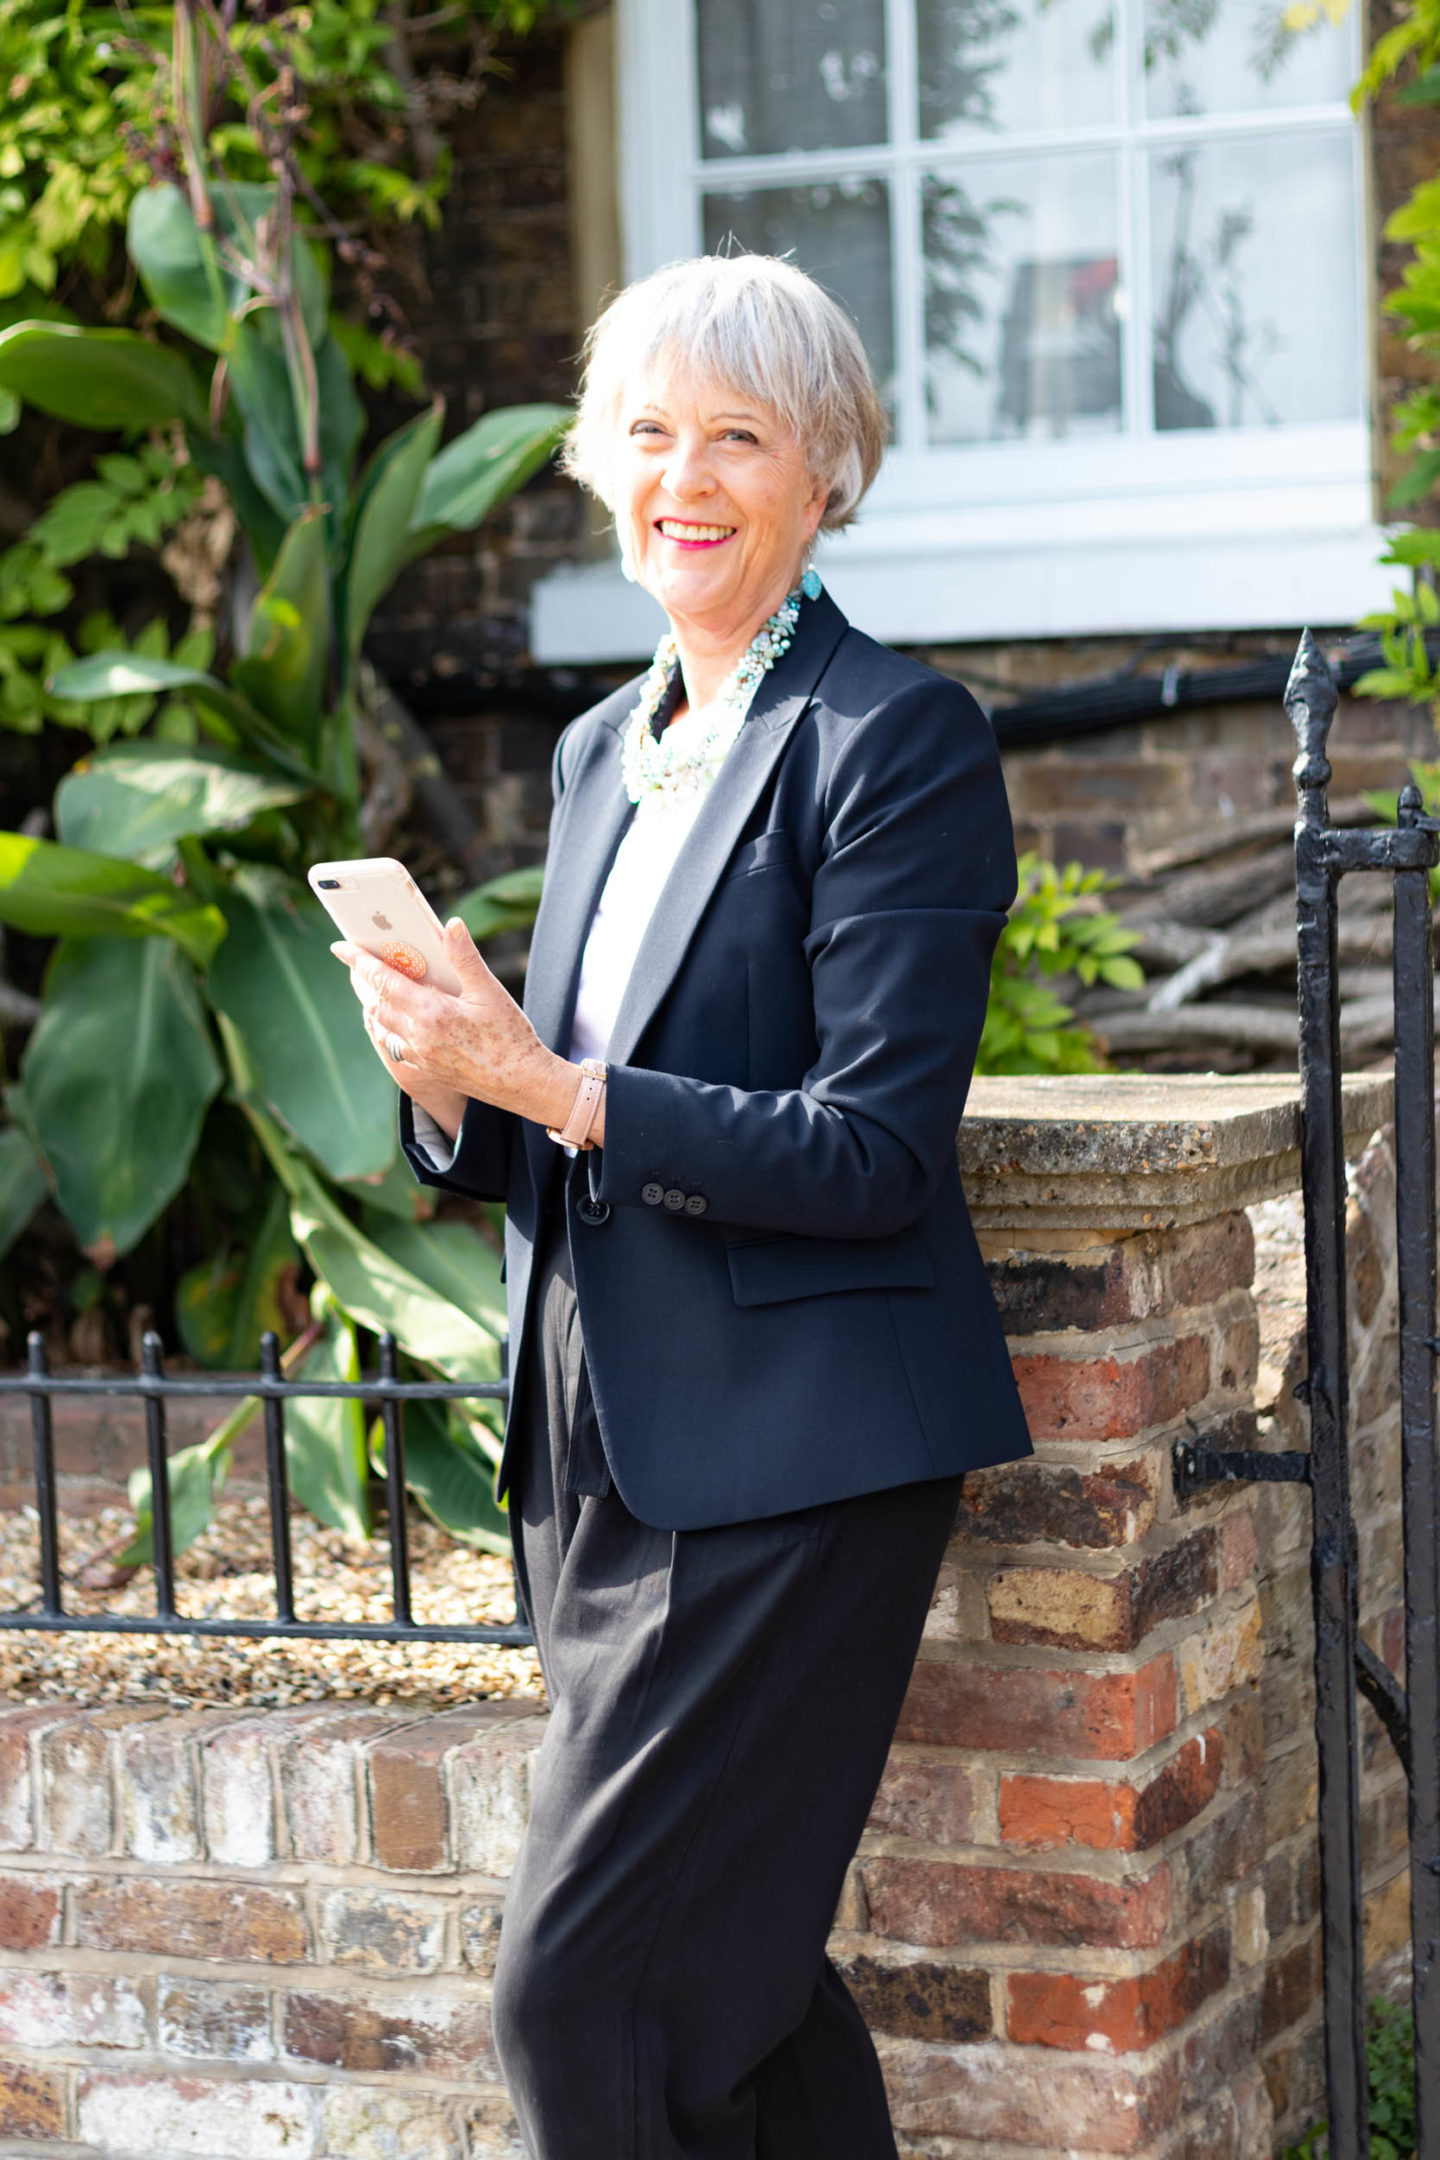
{"x":478,"y":1044}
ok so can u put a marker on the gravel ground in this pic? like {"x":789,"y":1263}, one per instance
{"x":226,"y":1574}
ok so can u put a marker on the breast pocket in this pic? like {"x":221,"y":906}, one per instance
{"x":770,"y":1271}
{"x":767,"y":851}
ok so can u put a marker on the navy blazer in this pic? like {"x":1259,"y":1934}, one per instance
{"x":780,"y":1293}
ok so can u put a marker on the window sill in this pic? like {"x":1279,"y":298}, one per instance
{"x":1164,"y":551}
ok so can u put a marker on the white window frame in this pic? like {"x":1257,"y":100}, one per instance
{"x":1137,"y":531}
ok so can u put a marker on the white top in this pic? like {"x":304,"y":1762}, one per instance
{"x":643,"y":862}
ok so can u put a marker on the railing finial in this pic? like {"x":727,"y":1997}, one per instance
{"x":1310,"y":699}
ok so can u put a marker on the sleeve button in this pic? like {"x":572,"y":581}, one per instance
{"x":696,"y":1204}
{"x":674,"y":1200}
{"x":652,"y":1194}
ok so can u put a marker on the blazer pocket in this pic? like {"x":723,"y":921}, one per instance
{"x":769,"y":1271}
{"x":765,"y":852}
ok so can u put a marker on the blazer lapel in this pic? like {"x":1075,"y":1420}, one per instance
{"x":597,"y":812}
{"x":781,"y":699}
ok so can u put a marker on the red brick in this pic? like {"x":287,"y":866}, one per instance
{"x":440,"y":2035}
{"x":1292,"y":1986}
{"x":931,"y":1801}
{"x":1239,"y":1552}
{"x":1104,"y":1286}
{"x":29,"y":1913}
{"x":17,"y":1825}
{"x":1033,"y":1710}
{"x":941,"y":1903}
{"x":1067,"y":2010}
{"x":1112,"y":1398}
{"x":409,"y":1810}
{"x":1041,"y":1503}
{"x":318,"y":1783}
{"x":1069,"y":1609}
{"x":1043,"y":1813}
{"x":1052,"y":2103}
{"x":32,"y":2103}
{"x":245,"y":1923}
{"x":948,"y":2003}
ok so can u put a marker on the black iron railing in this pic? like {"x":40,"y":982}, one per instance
{"x":1345,"y":1665}
{"x":151,"y":1386}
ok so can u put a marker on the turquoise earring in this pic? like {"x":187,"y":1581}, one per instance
{"x":810,"y":583}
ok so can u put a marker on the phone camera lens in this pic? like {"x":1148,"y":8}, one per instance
{"x":328,"y":884}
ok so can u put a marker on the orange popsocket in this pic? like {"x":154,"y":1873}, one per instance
{"x":405,"y":957}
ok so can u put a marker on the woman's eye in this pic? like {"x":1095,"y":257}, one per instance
{"x":645,"y":427}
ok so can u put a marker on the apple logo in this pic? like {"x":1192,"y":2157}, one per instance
{"x":381,"y":922}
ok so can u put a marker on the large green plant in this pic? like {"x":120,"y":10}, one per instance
{"x":191,"y":959}
{"x":1056,"y":930}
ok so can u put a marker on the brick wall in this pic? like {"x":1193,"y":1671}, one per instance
{"x":1082,"y":1919}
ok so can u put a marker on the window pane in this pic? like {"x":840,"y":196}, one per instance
{"x":1256,"y":291}
{"x":1021,"y":273}
{"x":839,"y":231}
{"x":1205,"y":56}
{"x":1008,"y":64}
{"x":776,"y":77}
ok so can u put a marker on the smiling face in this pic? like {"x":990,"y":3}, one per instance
{"x":714,"y":503}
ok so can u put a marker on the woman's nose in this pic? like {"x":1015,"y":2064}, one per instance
{"x":688,"y":472}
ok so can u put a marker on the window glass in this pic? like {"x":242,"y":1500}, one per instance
{"x":776,"y":77}
{"x":1022,"y":332}
{"x":1014,"y":64}
{"x":1254,"y":282}
{"x":1212,"y":56}
{"x":838,"y":230}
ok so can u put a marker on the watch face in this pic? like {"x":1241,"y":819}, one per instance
{"x":406,"y":958}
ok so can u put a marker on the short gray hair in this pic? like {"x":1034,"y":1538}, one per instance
{"x":759,"y":325}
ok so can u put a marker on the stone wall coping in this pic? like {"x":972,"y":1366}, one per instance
{"x":1123,"y":1151}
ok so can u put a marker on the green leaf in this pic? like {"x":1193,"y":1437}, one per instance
{"x":342,"y":423}
{"x":117,"y":1075}
{"x":22,"y":1184}
{"x":272,"y":439}
{"x":196,"y":1477}
{"x":385,"y":500}
{"x":451,"y":1473}
{"x":273,"y":448}
{"x":396,"y":1191}
{"x":224,"y":456}
{"x":325,"y":1437}
{"x":287,"y":647}
{"x":1413,"y":548}
{"x":451,"y":1257}
{"x":485,"y":464}
{"x":502,"y":903}
{"x":178,"y":269}
{"x":98,"y":378}
{"x":277,"y":981}
{"x":54,"y":891}
{"x":374,"y":1289}
{"x":226,"y":1304}
{"x":137,"y":798}
{"x":117,"y":674}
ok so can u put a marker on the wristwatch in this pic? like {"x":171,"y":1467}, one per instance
{"x":585,"y":1109}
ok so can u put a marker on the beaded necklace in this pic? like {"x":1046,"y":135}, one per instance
{"x":683,"y":758}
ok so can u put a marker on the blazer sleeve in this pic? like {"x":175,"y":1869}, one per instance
{"x":480,"y":1164}
{"x":908,"y":902}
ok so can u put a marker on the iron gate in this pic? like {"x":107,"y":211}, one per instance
{"x":153,"y":1387}
{"x":1344,"y":1664}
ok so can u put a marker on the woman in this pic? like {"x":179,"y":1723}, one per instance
{"x":753,"y":1342}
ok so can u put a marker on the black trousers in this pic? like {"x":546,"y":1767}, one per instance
{"x":722,"y":1702}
